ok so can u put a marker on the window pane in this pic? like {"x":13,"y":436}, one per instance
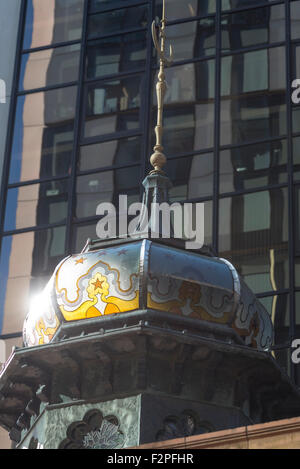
{"x":189,"y":109}
{"x":106,"y":187}
{"x":50,"y":67}
{"x":253,"y":235}
{"x":297,"y":331}
{"x":258,"y":82}
{"x":23,"y":258}
{"x":116,"y":152}
{"x":296,"y":119}
{"x":295,"y":20}
{"x":297,"y":223}
{"x":187,"y":128}
{"x":113,"y":106}
{"x":35,"y":205}
{"x":297,"y":312}
{"x":254,"y":71}
{"x":116,"y":54}
{"x":296,"y":158}
{"x":43,"y":135}
{"x":253,"y":27}
{"x":52,"y":21}
{"x":297,"y":267}
{"x":208,"y":226}
{"x":177,"y":9}
{"x":230,"y":4}
{"x":193,"y":39}
{"x":279,"y":311}
{"x":117,"y":21}
{"x":81,"y":233}
{"x":256,"y":165}
{"x":295,"y":64}
{"x":192,"y":177}
{"x":188,"y":83}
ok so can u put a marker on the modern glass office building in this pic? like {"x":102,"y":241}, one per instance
{"x":80,"y":132}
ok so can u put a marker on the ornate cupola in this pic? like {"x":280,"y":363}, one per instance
{"x":139,"y":340}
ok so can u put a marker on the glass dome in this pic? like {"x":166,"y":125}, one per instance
{"x":147,"y":275}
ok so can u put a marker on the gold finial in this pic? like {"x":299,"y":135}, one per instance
{"x":158,"y":159}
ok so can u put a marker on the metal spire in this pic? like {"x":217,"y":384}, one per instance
{"x":158,"y":159}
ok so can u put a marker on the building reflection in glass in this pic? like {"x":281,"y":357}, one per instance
{"x":254,"y":236}
{"x":26,"y":262}
{"x":60,"y":22}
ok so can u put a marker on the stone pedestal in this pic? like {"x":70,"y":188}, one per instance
{"x":126,"y":422}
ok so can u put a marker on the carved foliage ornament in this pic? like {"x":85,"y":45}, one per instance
{"x":94,"y":432}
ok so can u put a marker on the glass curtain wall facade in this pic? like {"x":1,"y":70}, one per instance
{"x":81,"y":132}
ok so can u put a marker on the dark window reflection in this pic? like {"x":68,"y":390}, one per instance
{"x":254,"y":237}
{"x":254,"y":71}
{"x":113,"y":106}
{"x":81,"y":233}
{"x":50,"y":67}
{"x":296,"y":119}
{"x":279,"y":311}
{"x":192,"y":177}
{"x":283,"y":358}
{"x":295,"y":61}
{"x":297,"y":217}
{"x":43,"y":135}
{"x":187,"y":128}
{"x":230,"y":4}
{"x":49,"y":249}
{"x":116,"y":54}
{"x":106,"y":187}
{"x":296,"y":158}
{"x":297,"y":266}
{"x":117,"y":21}
{"x":177,"y":9}
{"x":295,"y":19}
{"x":252,"y":27}
{"x":24,"y":258}
{"x":295,"y":64}
{"x":297,"y":315}
{"x":258,"y":82}
{"x":114,"y":153}
{"x":253,"y":118}
{"x":52,"y":22}
{"x":192,"y":39}
{"x":35,"y":205}
{"x":256,"y":165}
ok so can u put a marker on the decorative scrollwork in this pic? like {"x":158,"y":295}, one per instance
{"x":94,"y":432}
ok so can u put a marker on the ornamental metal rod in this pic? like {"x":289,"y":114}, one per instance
{"x":158,"y":159}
